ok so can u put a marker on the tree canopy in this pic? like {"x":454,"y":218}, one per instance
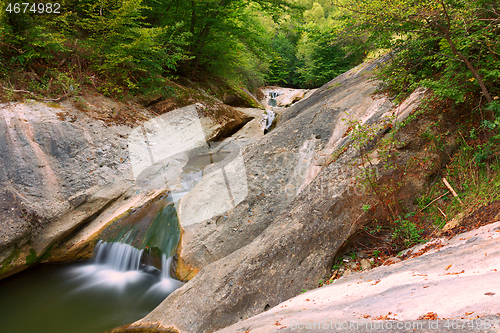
{"x":137,"y":44}
{"x":451,"y":46}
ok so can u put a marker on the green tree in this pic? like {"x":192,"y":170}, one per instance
{"x":445,"y":41}
{"x":283,"y":63}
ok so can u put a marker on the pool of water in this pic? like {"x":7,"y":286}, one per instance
{"x":79,"y":298}
{"x":112,"y":290}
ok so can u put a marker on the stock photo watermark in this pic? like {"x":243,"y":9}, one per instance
{"x":160,"y":150}
{"x":392,"y":325}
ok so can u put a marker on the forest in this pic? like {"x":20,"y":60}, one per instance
{"x":131,"y":47}
{"x":401,"y":150}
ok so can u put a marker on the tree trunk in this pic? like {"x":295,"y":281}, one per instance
{"x":204,"y":35}
{"x":475,"y":73}
{"x":473,"y":70}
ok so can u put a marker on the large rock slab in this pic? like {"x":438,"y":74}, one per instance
{"x":283,"y":97}
{"x":65,"y":164}
{"x":456,"y":279}
{"x":300,"y":208}
{"x":58,"y":171}
{"x":281,"y":164}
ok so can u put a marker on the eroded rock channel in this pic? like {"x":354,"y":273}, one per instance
{"x":261,"y":217}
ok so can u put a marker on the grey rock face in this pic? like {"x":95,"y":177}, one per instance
{"x":301,"y":207}
{"x":51,"y":167}
{"x":281,"y":164}
{"x":455,"y":281}
{"x":61,"y":167}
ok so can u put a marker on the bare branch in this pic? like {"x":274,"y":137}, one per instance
{"x":446,"y":14}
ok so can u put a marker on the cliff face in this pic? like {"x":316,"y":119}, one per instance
{"x":65,"y":164}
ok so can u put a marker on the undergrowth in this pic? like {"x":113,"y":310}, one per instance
{"x":472,"y":171}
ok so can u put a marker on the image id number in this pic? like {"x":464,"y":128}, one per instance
{"x":35,"y":8}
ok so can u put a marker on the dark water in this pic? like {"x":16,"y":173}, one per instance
{"x":78,"y":297}
{"x":93,"y":298}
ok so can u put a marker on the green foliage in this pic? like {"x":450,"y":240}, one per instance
{"x":283,"y":64}
{"x":135,"y":45}
{"x":406,"y":232}
{"x":452,"y":46}
{"x":324,"y":57}
{"x":366,"y":208}
{"x":311,"y":53}
{"x":474,"y":172}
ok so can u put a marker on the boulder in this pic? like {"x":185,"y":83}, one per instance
{"x":365,"y":264}
{"x":66,"y":164}
{"x":403,"y":292}
{"x":57,"y":174}
{"x":281,"y":164}
{"x":302,"y":204}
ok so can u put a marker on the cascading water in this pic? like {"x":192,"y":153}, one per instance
{"x":128,"y":276}
{"x":135,"y":247}
{"x":118,"y":256}
{"x":167,"y":283}
{"x":272,"y":101}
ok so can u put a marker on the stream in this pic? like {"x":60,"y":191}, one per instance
{"x":79,"y":297}
{"x":128,"y":276}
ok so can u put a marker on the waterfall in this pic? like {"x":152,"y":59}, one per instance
{"x":273,"y":94}
{"x":165,"y":266}
{"x":123,"y":257}
{"x":135,"y":245}
{"x":118,"y":266}
{"x":167,"y":283}
{"x":118,"y":256}
{"x":272,"y":100}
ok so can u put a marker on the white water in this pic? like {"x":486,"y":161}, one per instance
{"x":118,"y":256}
{"x":167,"y":284}
{"x":117,"y":265}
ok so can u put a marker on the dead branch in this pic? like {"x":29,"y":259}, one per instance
{"x":452,"y":190}
{"x":434,"y":201}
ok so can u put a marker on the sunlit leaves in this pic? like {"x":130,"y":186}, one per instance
{"x":440,"y":37}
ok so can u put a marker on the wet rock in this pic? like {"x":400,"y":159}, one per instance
{"x":284,"y":97}
{"x":58,"y":174}
{"x":55,"y":175}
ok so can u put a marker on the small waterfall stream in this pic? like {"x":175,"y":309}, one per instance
{"x":128,"y":276}
{"x":118,"y":256}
